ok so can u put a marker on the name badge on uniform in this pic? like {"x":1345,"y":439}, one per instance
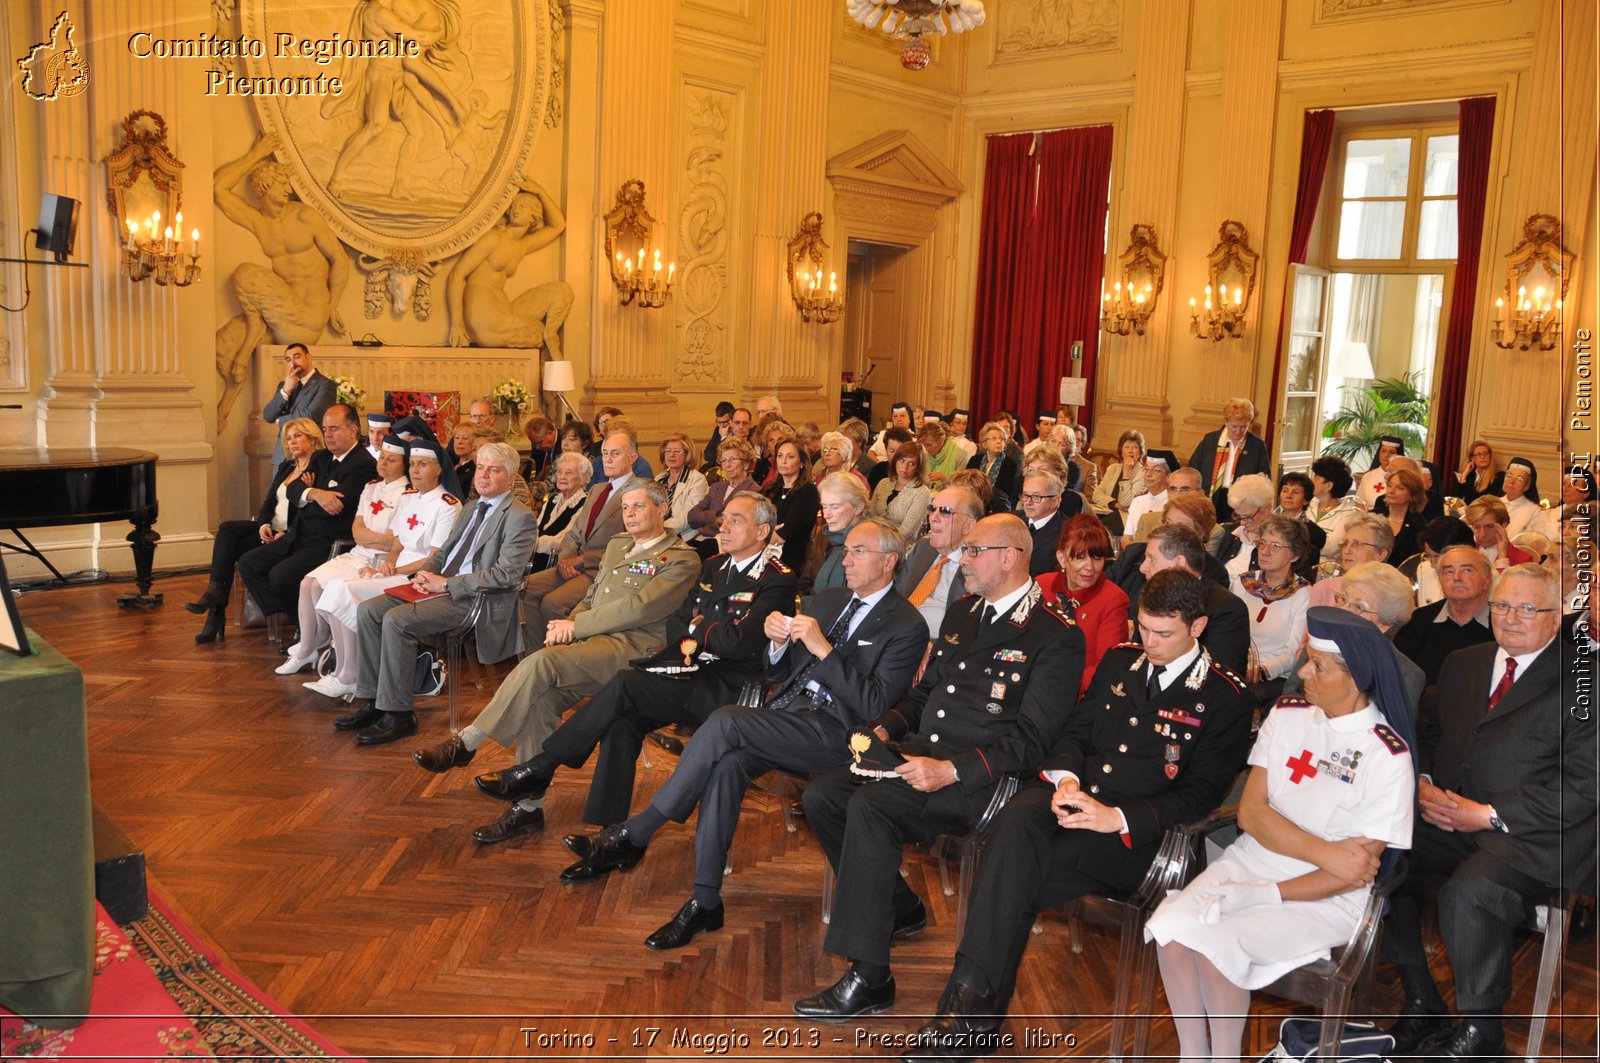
{"x":997,"y":690}
{"x":642,"y":568}
{"x":743,"y":596}
{"x":1011,"y":656}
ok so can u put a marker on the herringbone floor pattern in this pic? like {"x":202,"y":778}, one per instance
{"x":344,"y":881}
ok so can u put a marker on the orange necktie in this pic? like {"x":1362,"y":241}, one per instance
{"x":930,"y":581}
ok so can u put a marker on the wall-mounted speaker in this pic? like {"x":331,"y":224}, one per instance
{"x":58,"y":225}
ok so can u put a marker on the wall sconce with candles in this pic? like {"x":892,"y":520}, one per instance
{"x":144,"y":188}
{"x":1128,"y":306}
{"x":1232,"y":273}
{"x":1539,"y":270}
{"x":636,"y":267}
{"x":819,"y":301}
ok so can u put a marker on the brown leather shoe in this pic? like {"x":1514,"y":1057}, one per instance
{"x":513,"y":822}
{"x":450,"y":753}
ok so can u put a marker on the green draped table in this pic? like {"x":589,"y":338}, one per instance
{"x":46,"y":839}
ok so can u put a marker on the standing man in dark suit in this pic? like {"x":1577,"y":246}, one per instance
{"x":324,"y":513}
{"x":1506,"y":808}
{"x":992,"y":701}
{"x":305,"y":392}
{"x":1046,"y":509}
{"x":1226,"y":636}
{"x":1230,"y":452}
{"x":839,"y":667}
{"x":719,"y":627}
{"x":553,"y":593}
{"x":1157,"y":741}
{"x":487,"y":551}
{"x":931,"y":577}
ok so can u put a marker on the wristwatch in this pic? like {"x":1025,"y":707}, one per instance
{"x":1496,"y":822}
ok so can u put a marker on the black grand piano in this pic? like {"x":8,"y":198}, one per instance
{"x":46,"y":488}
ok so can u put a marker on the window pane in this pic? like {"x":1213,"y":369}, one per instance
{"x":1371,"y":230}
{"x":1439,"y":178}
{"x":1308,"y":303}
{"x":1305,"y":356}
{"x":1376,"y":168}
{"x":1299,"y":421}
{"x":1436,"y":235}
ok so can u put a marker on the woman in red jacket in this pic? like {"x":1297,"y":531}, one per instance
{"x":1100,"y":606}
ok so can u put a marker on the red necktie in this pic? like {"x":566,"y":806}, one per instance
{"x":1504,"y":684}
{"x":599,"y":504}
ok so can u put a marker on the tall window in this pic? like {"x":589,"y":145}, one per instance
{"x":1397,"y":193}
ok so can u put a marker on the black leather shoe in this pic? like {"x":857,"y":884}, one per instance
{"x":848,"y":997}
{"x":516,"y":782}
{"x":690,"y":920}
{"x":216,"y":625}
{"x":911,"y":922}
{"x":967,"y":1026}
{"x":607,"y":850}
{"x":1470,"y":1042}
{"x":393,"y":726}
{"x":444,"y":756}
{"x":511,"y":824}
{"x":1417,"y":1030}
{"x":365,"y":716}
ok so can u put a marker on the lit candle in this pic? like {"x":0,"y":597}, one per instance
{"x":833,"y":283}
{"x":167,"y":246}
{"x":194,"y":243}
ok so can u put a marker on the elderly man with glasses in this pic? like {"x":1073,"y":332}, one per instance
{"x":1506,"y":814}
{"x":1046,"y":507}
{"x":992,"y":701}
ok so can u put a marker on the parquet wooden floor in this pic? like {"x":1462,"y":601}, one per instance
{"x":344,"y":881}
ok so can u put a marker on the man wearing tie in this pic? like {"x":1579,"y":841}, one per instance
{"x":305,"y":392}
{"x":1506,"y":811}
{"x":487,"y":551}
{"x":553,"y":593}
{"x":996,"y":693}
{"x":931,"y":577}
{"x":839,"y":667}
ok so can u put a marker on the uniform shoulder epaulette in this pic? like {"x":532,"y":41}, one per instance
{"x":718,"y":556}
{"x":1054,"y":609}
{"x":777,"y":565}
{"x":412,"y":491}
{"x":450,"y":499}
{"x":1391,"y":741}
{"x":1128,"y":646}
{"x":1291,"y":701}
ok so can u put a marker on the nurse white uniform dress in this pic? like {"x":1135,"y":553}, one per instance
{"x":422,"y":522}
{"x":1337,"y":778}
{"x":376,"y":510}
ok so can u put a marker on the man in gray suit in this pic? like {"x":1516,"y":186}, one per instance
{"x":1506,"y":813}
{"x":303,"y":393}
{"x":553,"y":593}
{"x":488,"y":550}
{"x":931,"y":577}
{"x":841,"y":666}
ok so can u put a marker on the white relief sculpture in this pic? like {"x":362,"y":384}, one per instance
{"x":1027,"y":26}
{"x":400,"y":280}
{"x":703,"y":241}
{"x":294,"y":299}
{"x":404,"y":90}
{"x":481,"y":313}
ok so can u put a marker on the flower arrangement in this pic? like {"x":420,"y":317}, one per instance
{"x":348,"y":391}
{"x":511,"y":396}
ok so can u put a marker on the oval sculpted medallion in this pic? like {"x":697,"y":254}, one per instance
{"x":438,"y":109}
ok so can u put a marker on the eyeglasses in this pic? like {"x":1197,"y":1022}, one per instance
{"x":862,"y":551}
{"x":943,"y":511}
{"x":1527,"y":610}
{"x":1354,"y":606}
{"x":1037,"y":498}
{"x":1363,"y":542}
{"x":974,"y":549}
{"x":833,"y":450}
{"x":1271,"y":547}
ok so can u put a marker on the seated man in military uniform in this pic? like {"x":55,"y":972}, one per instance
{"x":714,"y":646}
{"x":1160,"y":736}
{"x":643,"y":576}
{"x":993,"y":699}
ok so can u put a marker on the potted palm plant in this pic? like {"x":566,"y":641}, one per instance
{"x":1392,"y":407}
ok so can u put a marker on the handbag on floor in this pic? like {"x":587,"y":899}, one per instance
{"x":1299,"y":1038}
{"x":430,"y":675}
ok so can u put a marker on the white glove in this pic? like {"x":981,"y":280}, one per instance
{"x":1229,"y":897}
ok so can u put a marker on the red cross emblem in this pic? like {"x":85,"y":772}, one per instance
{"x":1300,"y":767}
{"x":412,"y":521}
{"x":377,"y":507}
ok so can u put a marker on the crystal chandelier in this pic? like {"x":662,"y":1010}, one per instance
{"x":909,"y":20}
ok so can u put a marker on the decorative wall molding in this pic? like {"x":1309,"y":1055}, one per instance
{"x":1048,"y":29}
{"x":13,"y":327}
{"x":473,"y":105}
{"x":896,"y":167}
{"x":1352,"y":10}
{"x":1416,"y":65}
{"x":703,"y":220}
{"x":558,"y":66}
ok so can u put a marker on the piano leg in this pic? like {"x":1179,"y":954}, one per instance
{"x":143,"y":540}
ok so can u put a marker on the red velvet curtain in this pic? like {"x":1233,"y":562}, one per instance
{"x":1041,"y":257}
{"x":1472,"y":190}
{"x":1316,"y":141}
